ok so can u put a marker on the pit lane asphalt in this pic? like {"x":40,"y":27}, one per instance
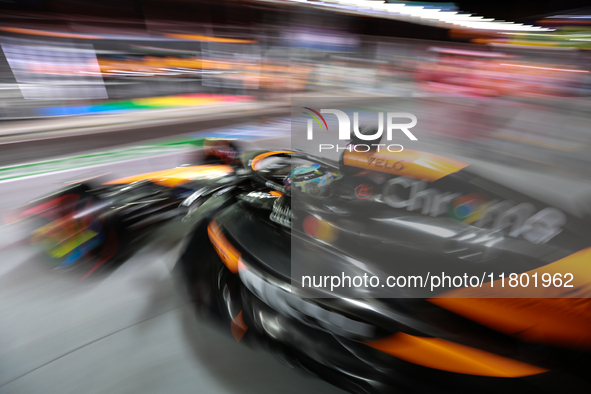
{"x":128,"y":332}
{"x":39,"y":149}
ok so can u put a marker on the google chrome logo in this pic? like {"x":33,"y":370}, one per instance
{"x":468,"y":208}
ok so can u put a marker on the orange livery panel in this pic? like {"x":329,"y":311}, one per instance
{"x":178,"y":176}
{"x":408,"y":163}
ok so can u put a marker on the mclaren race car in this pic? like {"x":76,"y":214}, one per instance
{"x":273,"y":229}
{"x":258,"y":255}
{"x":91,"y":225}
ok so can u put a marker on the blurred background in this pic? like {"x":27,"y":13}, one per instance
{"x":129,"y":86}
{"x":65,"y":60}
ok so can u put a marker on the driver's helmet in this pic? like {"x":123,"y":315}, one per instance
{"x":220,"y":150}
{"x":312,"y":179}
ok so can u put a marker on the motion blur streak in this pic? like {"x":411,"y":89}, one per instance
{"x":448,"y":356}
{"x":556,"y":321}
{"x":197,"y":37}
{"x":47,"y":33}
{"x":177,"y":176}
{"x":229,"y":255}
{"x":238,"y":327}
{"x":561,"y":322}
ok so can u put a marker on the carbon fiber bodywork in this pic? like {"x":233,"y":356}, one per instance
{"x":241,"y":272}
{"x":329,"y":337}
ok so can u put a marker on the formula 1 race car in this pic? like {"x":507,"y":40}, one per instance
{"x":87,"y":225}
{"x":272,"y":229}
{"x":418,"y":209}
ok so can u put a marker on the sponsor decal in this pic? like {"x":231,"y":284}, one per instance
{"x":384,"y":163}
{"x":521,"y":219}
{"x":281,"y":213}
{"x":364,"y":191}
{"x":410,"y":163}
{"x":468,"y":208}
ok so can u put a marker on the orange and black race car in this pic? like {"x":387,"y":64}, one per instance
{"x":265,"y":266}
{"x":87,"y":225}
{"x":273,"y":229}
